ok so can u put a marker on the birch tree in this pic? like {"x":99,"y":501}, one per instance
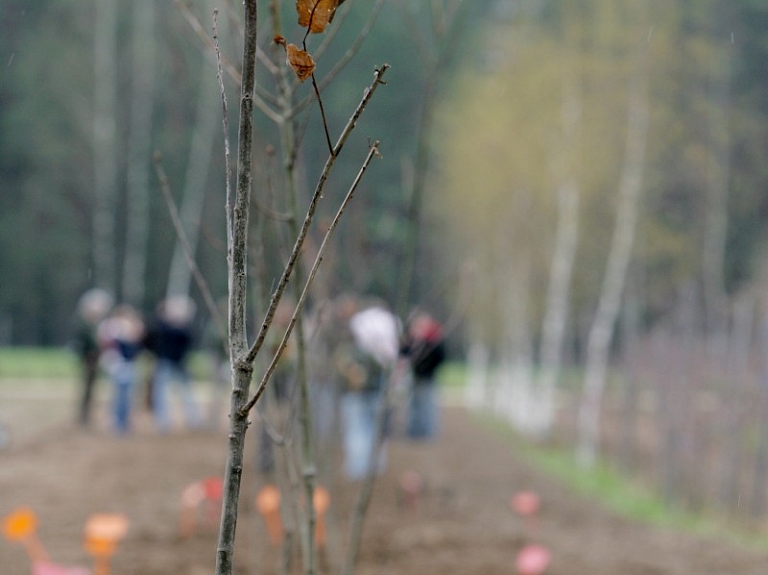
{"x":716,"y":204}
{"x":563,"y":256}
{"x":604,"y":322}
{"x":143,"y":48}
{"x":105,"y":165}
{"x":203,"y":137}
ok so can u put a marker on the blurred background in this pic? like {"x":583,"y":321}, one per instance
{"x":577,"y":189}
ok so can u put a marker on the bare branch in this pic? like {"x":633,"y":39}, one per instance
{"x":322,"y":115}
{"x":225,"y":122}
{"x":373,"y":151}
{"x":345,"y":59}
{"x":173,"y":210}
{"x":261,"y":96}
{"x":283,"y":282}
{"x":242,"y":372}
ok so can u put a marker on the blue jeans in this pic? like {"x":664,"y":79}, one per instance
{"x":422,"y":410}
{"x":358,"y":411}
{"x":124,"y":378}
{"x":167,"y":372}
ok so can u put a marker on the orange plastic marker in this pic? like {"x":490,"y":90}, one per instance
{"x":214,"y":492}
{"x":321,"y":499}
{"x":268,"y":504}
{"x":412,"y":486}
{"x":21,"y":527}
{"x":102,"y":534}
{"x":192,"y":496}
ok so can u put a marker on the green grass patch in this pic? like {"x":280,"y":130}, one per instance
{"x":452,"y":375}
{"x":37,"y":363}
{"x":62,"y":363}
{"x":624,"y":497}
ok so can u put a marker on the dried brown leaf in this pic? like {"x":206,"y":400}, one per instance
{"x":316,"y":14}
{"x":300,"y":60}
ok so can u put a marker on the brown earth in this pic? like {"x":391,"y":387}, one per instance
{"x":462,"y":524}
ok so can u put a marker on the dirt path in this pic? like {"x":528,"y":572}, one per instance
{"x":462,"y":524}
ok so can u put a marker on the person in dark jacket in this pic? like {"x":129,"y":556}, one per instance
{"x":93,"y":307}
{"x":424,"y":347}
{"x":169,"y":338}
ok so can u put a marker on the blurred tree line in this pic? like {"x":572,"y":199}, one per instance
{"x":89,"y":91}
{"x":504,"y":153}
{"x":76,"y":77}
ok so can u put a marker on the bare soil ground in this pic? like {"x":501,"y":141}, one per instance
{"x":462,"y":524}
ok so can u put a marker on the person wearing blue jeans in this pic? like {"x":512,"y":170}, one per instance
{"x":170,"y":339}
{"x":424,"y":348}
{"x":358,"y":411}
{"x":122,"y":334}
{"x":364,"y":360}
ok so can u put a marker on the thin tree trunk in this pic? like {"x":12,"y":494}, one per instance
{"x":760,"y":471}
{"x":104,"y":144}
{"x":242,"y":370}
{"x":195,"y":182}
{"x":140,"y":151}
{"x":735,"y":399}
{"x":716,"y":220}
{"x":558,"y":293}
{"x":444,"y":16}
{"x":476,"y":394}
{"x":564,"y":253}
{"x":601,"y":332}
{"x":631,"y":331}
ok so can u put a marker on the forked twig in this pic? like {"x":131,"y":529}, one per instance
{"x":373,"y":151}
{"x":173,"y":210}
{"x":225,"y":123}
{"x":283,"y":281}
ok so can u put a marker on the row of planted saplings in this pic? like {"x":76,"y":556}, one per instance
{"x":207,"y":494}
{"x":103,"y":532}
{"x":533,"y":558}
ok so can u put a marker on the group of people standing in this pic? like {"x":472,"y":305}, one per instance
{"x":112,"y":339}
{"x":376,"y":360}
{"x":359,"y":358}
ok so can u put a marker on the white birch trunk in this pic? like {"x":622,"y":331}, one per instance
{"x":514,"y":394}
{"x":561,"y":269}
{"x":476,"y":391}
{"x":104,"y":143}
{"x":204,"y":136}
{"x":139,"y":151}
{"x":601,"y":332}
{"x":716,"y":219}
{"x":558,"y":293}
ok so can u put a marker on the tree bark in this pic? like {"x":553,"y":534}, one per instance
{"x":601,"y":332}
{"x":716,"y":218}
{"x":566,"y":237}
{"x":195,"y":182}
{"x":139,"y":151}
{"x":242,"y":370}
{"x":104,"y":144}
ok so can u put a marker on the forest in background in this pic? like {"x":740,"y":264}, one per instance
{"x":75,"y":79}
{"x":88,"y":95}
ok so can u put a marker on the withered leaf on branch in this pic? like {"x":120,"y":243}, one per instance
{"x":316,"y":14}
{"x":300,"y":60}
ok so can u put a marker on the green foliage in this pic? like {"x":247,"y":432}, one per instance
{"x":37,"y":363}
{"x":493,"y":191}
{"x":54,"y":363}
{"x":619,"y":494}
{"x":501,"y":147}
